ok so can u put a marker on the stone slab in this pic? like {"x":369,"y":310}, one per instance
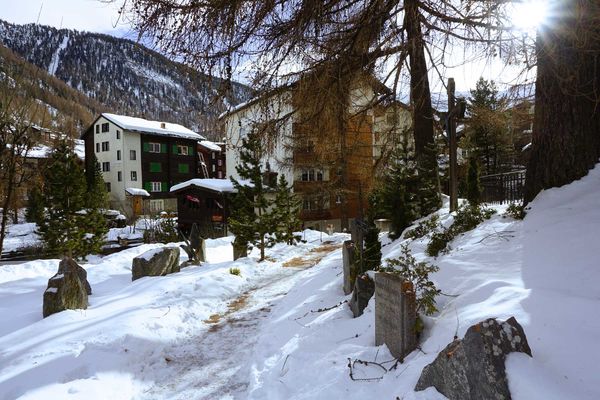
{"x":395,"y":314}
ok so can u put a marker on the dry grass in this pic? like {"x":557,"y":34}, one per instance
{"x":232,"y":307}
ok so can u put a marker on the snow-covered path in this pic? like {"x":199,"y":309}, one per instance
{"x":183,"y":336}
{"x":215,"y":363}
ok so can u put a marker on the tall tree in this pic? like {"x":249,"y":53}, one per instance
{"x":96,"y":202}
{"x":334,"y":41}
{"x":566,"y":126}
{"x":286,"y":210}
{"x":487,"y":132}
{"x":251,"y":220}
{"x":63,"y":229}
{"x":17,"y":116}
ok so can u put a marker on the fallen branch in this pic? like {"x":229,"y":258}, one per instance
{"x":320,"y":310}
{"x":351,"y":366}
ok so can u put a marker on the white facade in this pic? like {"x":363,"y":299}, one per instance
{"x":238,"y":125}
{"x":118,"y":154}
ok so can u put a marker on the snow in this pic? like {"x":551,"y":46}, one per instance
{"x":56,"y":56}
{"x":43,"y":151}
{"x":210,"y":145}
{"x":137,"y":192}
{"x":153,"y":127}
{"x":153,"y":338}
{"x":217,"y":185}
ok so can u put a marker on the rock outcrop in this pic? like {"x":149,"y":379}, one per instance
{"x":155,"y":262}
{"x":68,"y":289}
{"x":473,"y":368}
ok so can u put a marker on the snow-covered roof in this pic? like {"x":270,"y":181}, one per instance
{"x":137,"y":192}
{"x":43,"y":151}
{"x":216,"y":185}
{"x":153,"y":127}
{"x":209,"y":145}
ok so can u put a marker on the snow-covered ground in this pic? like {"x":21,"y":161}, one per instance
{"x":207,"y":334}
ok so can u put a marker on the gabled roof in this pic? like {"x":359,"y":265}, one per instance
{"x":215,"y":185}
{"x":212,"y":146}
{"x":158,"y":128}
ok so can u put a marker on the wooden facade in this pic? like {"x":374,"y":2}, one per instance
{"x":208,"y":209}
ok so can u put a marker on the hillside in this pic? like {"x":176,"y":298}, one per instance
{"x":279,"y":332}
{"x":122,"y":76}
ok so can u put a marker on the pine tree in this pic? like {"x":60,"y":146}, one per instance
{"x":250,"y":220}
{"x":372,"y":248}
{"x":63,"y":228}
{"x":35,"y":206}
{"x":474,"y":191}
{"x":487,"y":135}
{"x":399,"y":193}
{"x":286,"y":213}
{"x":96,"y":201}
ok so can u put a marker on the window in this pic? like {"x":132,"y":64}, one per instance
{"x":97,"y":147}
{"x":310,"y":175}
{"x":104,"y":146}
{"x":155,"y":167}
{"x":132,"y":154}
{"x":107,"y":184}
{"x":118,"y":135}
{"x":97,"y":128}
{"x":315,"y":203}
{"x":182,"y":150}
{"x":184,"y":168}
{"x":220,"y":162}
{"x":155,"y":186}
{"x":134,"y":175}
{"x":213,"y":155}
{"x":105,"y":166}
{"x":156,"y":206}
{"x":105,"y":127}
{"x":119,"y":176}
{"x":220,"y":175}
{"x":154,"y":147}
{"x":214,"y":168}
{"x":118,"y":155}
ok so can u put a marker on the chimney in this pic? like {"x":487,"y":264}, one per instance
{"x":163,"y":125}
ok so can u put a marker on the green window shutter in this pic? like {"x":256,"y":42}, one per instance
{"x":191,"y":150}
{"x":148,"y":187}
{"x":146,"y":146}
{"x":155,"y":167}
{"x":163,"y":147}
{"x":165,"y":186}
{"x":184,"y":168}
{"x":174,"y":149}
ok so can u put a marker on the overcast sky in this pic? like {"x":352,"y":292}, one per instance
{"x":83,"y":15}
{"x":97,"y":16}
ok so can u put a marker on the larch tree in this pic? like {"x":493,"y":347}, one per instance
{"x":329,"y":43}
{"x":566,"y":126}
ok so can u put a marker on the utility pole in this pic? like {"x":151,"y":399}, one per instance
{"x":451,"y":131}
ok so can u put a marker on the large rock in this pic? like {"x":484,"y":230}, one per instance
{"x":156,"y":262}
{"x":364,"y":288}
{"x":68,"y":263}
{"x":473,"y":368}
{"x":239,"y":250}
{"x":66,"y":290}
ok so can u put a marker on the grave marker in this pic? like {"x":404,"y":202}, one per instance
{"x":395,"y":314}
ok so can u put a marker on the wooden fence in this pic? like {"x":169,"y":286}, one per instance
{"x":503,"y":188}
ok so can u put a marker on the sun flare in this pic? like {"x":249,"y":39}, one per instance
{"x":528,"y":15}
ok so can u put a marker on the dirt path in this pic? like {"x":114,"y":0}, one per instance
{"x":215,"y":364}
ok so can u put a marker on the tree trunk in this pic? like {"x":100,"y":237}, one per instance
{"x":566,"y":138}
{"x":422,"y":112}
{"x":5,"y":207}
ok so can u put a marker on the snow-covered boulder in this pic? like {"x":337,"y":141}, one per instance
{"x":156,"y":262}
{"x":473,"y":368}
{"x":68,"y":289}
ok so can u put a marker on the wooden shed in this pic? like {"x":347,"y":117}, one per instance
{"x":205,"y":202}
